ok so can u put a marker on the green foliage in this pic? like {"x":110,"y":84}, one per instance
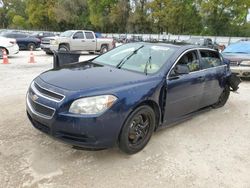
{"x":19,"y":22}
{"x":209,"y":17}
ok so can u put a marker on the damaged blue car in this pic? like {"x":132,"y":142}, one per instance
{"x":123,"y":96}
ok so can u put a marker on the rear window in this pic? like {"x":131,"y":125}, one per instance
{"x":210,"y":59}
{"x":89,"y":35}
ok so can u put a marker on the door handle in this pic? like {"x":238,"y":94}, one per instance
{"x":93,"y":40}
{"x":83,"y":40}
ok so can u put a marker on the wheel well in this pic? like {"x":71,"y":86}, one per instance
{"x":105,"y":45}
{"x":151,"y":104}
{"x":65,"y":44}
{"x":5,"y":49}
{"x":156,"y":109}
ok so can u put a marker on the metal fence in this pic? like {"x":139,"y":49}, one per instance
{"x":218,"y":39}
{"x":170,"y":37}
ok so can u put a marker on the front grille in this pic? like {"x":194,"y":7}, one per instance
{"x":74,"y":137}
{"x":41,"y":109}
{"x":46,"y":93}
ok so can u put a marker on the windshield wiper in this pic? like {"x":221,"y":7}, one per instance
{"x":119,"y":65}
{"x":146,"y":66}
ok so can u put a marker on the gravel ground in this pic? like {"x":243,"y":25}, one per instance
{"x":210,"y":150}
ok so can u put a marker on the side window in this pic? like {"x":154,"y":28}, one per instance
{"x":189,"y":60}
{"x":89,"y":35}
{"x":20,"y":36}
{"x":78,"y":35}
{"x":210,"y":59}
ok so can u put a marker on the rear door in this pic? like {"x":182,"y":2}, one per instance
{"x":215,"y":76}
{"x":184,"y":92}
{"x":90,"y":41}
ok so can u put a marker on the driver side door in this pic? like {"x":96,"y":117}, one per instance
{"x":184,"y":91}
{"x":77,"y":41}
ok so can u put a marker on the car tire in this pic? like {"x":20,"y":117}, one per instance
{"x":223,"y":98}
{"x":137,"y":130}
{"x":63,"y":48}
{"x":31,"y":46}
{"x":104,"y":49}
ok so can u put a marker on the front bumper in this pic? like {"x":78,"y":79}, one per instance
{"x":241,"y":71}
{"x":85,"y":131}
{"x":54,"y":47}
{"x":46,"y":48}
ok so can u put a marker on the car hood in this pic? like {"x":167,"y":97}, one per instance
{"x":236,"y":56}
{"x":90,"y":76}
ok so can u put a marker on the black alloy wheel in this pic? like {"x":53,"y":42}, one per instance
{"x":137,"y":130}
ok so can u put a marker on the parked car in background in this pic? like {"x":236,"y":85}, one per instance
{"x":206,"y":42}
{"x":239,"y":56}
{"x":81,"y":40}
{"x":24,"y":41}
{"x":41,"y":35}
{"x":135,"y":38}
{"x":9,"y":45}
{"x":124,"y":95}
{"x":46,"y":44}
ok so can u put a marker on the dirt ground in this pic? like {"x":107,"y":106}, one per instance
{"x":210,"y":150}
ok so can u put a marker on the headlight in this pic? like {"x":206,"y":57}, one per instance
{"x":247,"y":63}
{"x":92,"y":105}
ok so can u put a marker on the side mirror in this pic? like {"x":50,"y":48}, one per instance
{"x":181,"y":69}
{"x":75,"y":37}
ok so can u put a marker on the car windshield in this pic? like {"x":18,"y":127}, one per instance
{"x":241,"y":47}
{"x":138,"y":57}
{"x":67,"y":34}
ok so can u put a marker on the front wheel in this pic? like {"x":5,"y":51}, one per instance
{"x":137,"y":130}
{"x":63,"y":48}
{"x":223,"y":98}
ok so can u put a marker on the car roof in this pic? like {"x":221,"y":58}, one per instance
{"x":182,"y":46}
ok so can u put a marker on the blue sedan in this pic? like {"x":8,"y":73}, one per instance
{"x":124,"y":95}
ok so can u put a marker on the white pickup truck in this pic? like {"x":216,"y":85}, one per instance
{"x":81,"y":40}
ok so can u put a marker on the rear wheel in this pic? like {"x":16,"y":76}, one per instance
{"x":223,"y":98}
{"x":31,"y":46}
{"x":1,"y":52}
{"x":104,"y":49}
{"x":137,"y":130}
